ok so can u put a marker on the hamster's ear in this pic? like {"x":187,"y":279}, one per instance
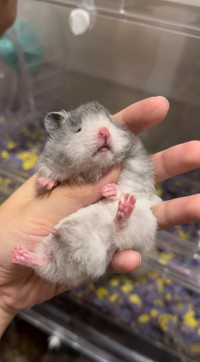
{"x":54,"y":120}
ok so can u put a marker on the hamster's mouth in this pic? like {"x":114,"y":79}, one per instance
{"x":102,"y":149}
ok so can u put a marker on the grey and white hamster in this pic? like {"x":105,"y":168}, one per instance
{"x":83,"y":145}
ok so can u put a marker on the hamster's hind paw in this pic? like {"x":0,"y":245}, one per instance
{"x":125,"y":208}
{"x":20,"y":255}
{"x":47,"y":182}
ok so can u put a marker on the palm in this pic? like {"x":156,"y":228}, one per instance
{"x":26,"y":218}
{"x":26,"y":289}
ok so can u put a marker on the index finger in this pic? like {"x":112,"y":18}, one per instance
{"x":144,"y":114}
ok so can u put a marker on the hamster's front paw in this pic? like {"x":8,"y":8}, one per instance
{"x":111,"y":191}
{"x":47,"y":182}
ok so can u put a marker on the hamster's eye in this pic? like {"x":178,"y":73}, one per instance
{"x":78,"y":130}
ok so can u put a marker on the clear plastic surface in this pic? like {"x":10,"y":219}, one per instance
{"x":134,"y":49}
{"x":8,"y":87}
{"x":176,"y":15}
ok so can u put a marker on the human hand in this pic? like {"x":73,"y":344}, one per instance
{"x":25,"y":219}
{"x":168,"y":163}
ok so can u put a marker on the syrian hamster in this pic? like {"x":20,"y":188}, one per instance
{"x":83,"y":145}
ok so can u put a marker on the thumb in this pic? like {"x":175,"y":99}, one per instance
{"x":91,"y":193}
{"x":84,"y":194}
{"x":68,"y":198}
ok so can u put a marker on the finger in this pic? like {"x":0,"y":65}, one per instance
{"x":178,"y":211}
{"x":124,"y":262}
{"x":144,"y":114}
{"x":85,"y":194}
{"x":176,"y":160}
{"x":67,"y":199}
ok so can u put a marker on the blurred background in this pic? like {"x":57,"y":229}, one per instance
{"x":57,"y":55}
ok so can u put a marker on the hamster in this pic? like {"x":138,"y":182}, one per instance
{"x":83,"y":145}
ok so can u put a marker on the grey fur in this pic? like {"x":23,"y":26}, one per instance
{"x":58,"y":160}
{"x":87,"y":240}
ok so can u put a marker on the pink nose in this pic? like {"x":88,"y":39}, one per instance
{"x":103,"y":132}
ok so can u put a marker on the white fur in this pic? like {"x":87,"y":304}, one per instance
{"x":93,"y":239}
{"x":89,"y":238}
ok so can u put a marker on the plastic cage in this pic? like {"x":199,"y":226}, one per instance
{"x":116,"y":52}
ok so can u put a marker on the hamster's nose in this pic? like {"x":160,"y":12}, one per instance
{"x":103,"y":132}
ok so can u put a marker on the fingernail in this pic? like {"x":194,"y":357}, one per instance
{"x":139,"y":256}
{"x":165,"y":99}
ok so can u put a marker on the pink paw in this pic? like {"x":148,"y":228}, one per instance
{"x":111,"y":191}
{"x":43,"y":181}
{"x":125,"y":208}
{"x":22,"y":256}
{"x":19,"y":255}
